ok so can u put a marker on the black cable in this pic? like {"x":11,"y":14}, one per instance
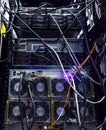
{"x":28,"y":31}
{"x":45,"y":44}
{"x":85,"y":95}
{"x":26,"y":122}
{"x":89,"y":3}
{"x":76,"y":64}
{"x":41,"y":5}
{"x":86,"y":41}
{"x":87,"y":45}
{"x":17,"y":27}
{"x":44,"y":57}
{"x":85,"y":104}
{"x":11,"y":22}
{"x":68,"y":6}
{"x":11,"y":18}
{"x":56,"y":8}
{"x":33,"y":106}
{"x":101,"y":125}
{"x":5,"y":60}
{"x":19,"y":95}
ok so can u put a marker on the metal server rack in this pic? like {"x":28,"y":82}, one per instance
{"x":49,"y":93}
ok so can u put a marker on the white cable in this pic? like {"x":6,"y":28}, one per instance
{"x":72,"y":49}
{"x":64,"y":38}
{"x":89,"y":77}
{"x":85,"y":7}
{"x":63,"y":108}
{"x":77,"y":105}
{"x":92,"y":102}
{"x":60,"y":114}
{"x":76,"y":16}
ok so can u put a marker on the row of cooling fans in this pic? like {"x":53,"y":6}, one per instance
{"x":44,"y":87}
{"x":45,"y":111}
{"x":48,"y":95}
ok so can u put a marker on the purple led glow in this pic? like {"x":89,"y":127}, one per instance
{"x":69,"y":75}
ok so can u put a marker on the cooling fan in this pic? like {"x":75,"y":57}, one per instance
{"x":42,"y":111}
{"x":14,"y":113}
{"x":14,"y":87}
{"x":87,"y":86}
{"x":64,"y":113}
{"x":59,"y":87}
{"x":89,"y":112}
{"x":39,"y":87}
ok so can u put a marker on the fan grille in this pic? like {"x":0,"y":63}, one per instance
{"x":14,"y":87}
{"x":14,"y":113}
{"x":89,"y":112}
{"x":39,"y":87}
{"x":42,"y":110}
{"x":60,"y":110}
{"x":59,"y":87}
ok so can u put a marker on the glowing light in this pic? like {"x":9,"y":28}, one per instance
{"x":69,"y":74}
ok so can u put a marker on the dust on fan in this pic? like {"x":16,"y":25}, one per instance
{"x":14,"y":87}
